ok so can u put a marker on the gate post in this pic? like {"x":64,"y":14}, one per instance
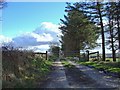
{"x":46,"y":55}
{"x":87,"y":55}
{"x":98,"y":55}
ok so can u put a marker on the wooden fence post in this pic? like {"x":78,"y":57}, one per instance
{"x":87,"y":55}
{"x":98,"y":55}
{"x":46,"y":55}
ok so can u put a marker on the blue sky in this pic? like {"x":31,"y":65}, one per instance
{"x":27,"y":16}
{"x":33,"y":25}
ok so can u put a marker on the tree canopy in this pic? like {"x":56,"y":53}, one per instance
{"x":78,"y":32}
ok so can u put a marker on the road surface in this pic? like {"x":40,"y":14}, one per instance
{"x":81,"y":77}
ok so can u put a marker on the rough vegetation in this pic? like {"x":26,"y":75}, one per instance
{"x":23,"y":69}
{"x":112,"y":68}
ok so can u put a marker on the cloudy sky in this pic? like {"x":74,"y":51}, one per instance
{"x":32,"y":25}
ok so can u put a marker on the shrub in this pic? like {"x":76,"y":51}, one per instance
{"x":22,"y":68}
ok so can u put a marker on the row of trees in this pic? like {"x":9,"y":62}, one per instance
{"x":78,"y":32}
{"x":84,"y":23}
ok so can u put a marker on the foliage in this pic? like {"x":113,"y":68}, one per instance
{"x":52,"y":57}
{"x":113,"y":28}
{"x":108,"y":66}
{"x":95,"y":12}
{"x":106,"y":15}
{"x":67,"y":64}
{"x":54,"y":50}
{"x":23,"y":69}
{"x":78,"y":32}
{"x":80,"y":20}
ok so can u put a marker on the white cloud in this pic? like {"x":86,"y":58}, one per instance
{"x":39,"y":48}
{"x":4,"y":39}
{"x":99,"y":48}
{"x":105,"y":22}
{"x":39,"y":39}
{"x":50,"y":27}
{"x":32,"y":39}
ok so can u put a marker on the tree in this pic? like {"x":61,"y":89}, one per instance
{"x":113,"y":27}
{"x":78,"y":32}
{"x":54,"y":49}
{"x":117,"y":13}
{"x":95,"y":12}
{"x":99,"y":11}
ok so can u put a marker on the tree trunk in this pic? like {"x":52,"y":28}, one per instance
{"x":111,"y":36}
{"x":114,"y":55}
{"x":112,"y":42}
{"x":102,"y":32}
{"x":118,"y":25}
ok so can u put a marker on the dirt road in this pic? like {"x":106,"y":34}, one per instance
{"x":62,"y":77}
{"x":57,"y":79}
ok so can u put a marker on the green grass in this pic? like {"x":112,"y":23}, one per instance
{"x":38,"y":70}
{"x":67,"y":64}
{"x":30,"y":76}
{"x":110,"y":59}
{"x":108,"y":66}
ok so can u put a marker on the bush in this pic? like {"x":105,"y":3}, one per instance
{"x":52,"y":58}
{"x":23,"y":69}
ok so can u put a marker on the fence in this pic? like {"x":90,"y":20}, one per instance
{"x":21,"y":53}
{"x":86,"y":55}
{"x":97,"y":55}
{"x":42,"y":54}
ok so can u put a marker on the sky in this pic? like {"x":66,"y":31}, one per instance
{"x":27,"y":16}
{"x":32,"y":25}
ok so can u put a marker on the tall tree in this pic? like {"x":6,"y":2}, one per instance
{"x":95,"y":12}
{"x":78,"y":32}
{"x":113,"y":27}
{"x":102,"y":30}
{"x":54,"y":50}
{"x":117,"y":13}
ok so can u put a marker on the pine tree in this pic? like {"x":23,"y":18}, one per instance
{"x":95,"y":12}
{"x":113,"y":27}
{"x":78,"y":32}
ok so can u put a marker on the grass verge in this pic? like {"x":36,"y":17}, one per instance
{"x":67,"y":64}
{"x":21,"y":70}
{"x":113,"y":67}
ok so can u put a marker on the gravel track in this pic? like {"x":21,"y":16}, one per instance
{"x":78,"y":77}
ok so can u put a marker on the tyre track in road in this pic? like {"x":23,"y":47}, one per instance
{"x":103,"y":80}
{"x":62,"y":77}
{"x":57,"y":79}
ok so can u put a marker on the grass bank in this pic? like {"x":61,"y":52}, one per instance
{"x":21,"y":69}
{"x":112,"y":67}
{"x":67,"y":64}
